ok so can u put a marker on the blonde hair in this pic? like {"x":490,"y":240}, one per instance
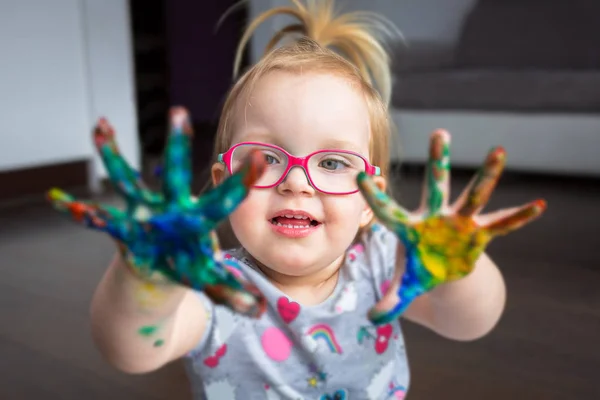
{"x":363,"y":61}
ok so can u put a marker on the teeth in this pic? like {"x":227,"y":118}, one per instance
{"x":291,"y":226}
{"x":295,"y":216}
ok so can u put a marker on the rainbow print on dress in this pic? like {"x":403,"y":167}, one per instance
{"x":324,"y":334}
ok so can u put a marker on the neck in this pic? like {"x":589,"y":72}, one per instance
{"x":308,"y":289}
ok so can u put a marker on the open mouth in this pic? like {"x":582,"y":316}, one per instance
{"x":294,"y":220}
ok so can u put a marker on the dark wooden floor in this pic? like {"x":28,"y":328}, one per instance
{"x":547,"y":345}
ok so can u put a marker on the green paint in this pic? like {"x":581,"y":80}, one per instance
{"x":148,"y":330}
{"x":435,"y":196}
{"x":159,"y":343}
{"x":188,"y":223}
{"x":437,"y":172}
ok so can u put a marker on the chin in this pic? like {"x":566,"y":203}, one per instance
{"x":289,"y":259}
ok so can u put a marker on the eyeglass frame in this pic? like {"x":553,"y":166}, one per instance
{"x":293,"y":161}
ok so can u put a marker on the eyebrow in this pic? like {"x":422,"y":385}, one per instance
{"x":264,"y":137}
{"x":340,"y":144}
{"x":331,"y":144}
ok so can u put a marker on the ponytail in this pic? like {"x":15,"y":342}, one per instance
{"x":355,"y":36}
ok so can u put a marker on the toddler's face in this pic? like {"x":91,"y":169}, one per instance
{"x":301,"y":113}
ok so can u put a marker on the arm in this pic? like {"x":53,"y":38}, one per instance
{"x":139,"y":326}
{"x":443,"y":278}
{"x":144,"y":313}
{"x":465,"y":309}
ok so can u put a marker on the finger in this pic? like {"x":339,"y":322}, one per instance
{"x":221,"y":280}
{"x":177,"y":173}
{"x":387,"y":309}
{"x":126,"y":180}
{"x":218,"y":203}
{"x":438,"y":172}
{"x":384,"y":207}
{"x":235,"y":293}
{"x":478,"y":192}
{"x":509,"y":222}
{"x":107,"y":220}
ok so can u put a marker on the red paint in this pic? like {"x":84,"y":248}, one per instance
{"x":213,"y":361}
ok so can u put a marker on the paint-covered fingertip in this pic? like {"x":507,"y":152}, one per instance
{"x":254,"y":167}
{"x":103,"y":133}
{"x":539,"y":205}
{"x":500,"y":150}
{"x":103,"y":123}
{"x":366,"y":182}
{"x":497,"y":154}
{"x":366,"y":185}
{"x":380,"y":317}
{"x":180,"y":121}
{"x":56,"y":194}
{"x":362,"y":177}
{"x":440,"y":133}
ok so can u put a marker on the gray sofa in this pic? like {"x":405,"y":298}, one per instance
{"x":512,"y":55}
{"x":524,"y":74}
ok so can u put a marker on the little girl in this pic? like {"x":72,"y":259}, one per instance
{"x":309,"y":306}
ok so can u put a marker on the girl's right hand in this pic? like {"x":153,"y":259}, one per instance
{"x":169,"y":236}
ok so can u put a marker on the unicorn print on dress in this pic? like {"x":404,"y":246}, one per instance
{"x":227,"y":322}
{"x":382,"y":385}
{"x":219,"y":390}
{"x":347,"y":300}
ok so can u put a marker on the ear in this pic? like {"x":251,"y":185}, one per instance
{"x":367,"y":214}
{"x":217,"y":172}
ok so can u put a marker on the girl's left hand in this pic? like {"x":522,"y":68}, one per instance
{"x":442,"y":241}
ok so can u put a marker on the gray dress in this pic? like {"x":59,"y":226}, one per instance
{"x":329,"y":351}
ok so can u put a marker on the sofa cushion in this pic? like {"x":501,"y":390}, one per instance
{"x":505,"y":90}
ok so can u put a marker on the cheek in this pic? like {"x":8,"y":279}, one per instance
{"x":345,"y":211}
{"x":243,"y":219}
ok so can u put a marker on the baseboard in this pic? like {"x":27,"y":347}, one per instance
{"x":31,"y":183}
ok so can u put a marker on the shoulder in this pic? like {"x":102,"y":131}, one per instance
{"x":375,"y":254}
{"x":379,"y":245}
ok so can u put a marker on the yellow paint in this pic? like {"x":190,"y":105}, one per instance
{"x":149,"y":295}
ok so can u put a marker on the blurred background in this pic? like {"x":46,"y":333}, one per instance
{"x":524,"y":74}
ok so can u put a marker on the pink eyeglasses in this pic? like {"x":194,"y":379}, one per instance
{"x":328,"y":171}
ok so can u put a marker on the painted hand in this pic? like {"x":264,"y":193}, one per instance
{"x":168,"y":237}
{"x":443,"y":242}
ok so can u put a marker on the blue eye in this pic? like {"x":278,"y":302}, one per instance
{"x":332,"y":164}
{"x":270,"y":158}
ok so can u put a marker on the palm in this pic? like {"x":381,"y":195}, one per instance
{"x":448,"y":245}
{"x":169,"y":236}
{"x":442,"y":241}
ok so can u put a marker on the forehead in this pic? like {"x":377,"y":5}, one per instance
{"x":303,"y":112}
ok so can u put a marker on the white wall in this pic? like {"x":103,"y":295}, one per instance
{"x":63,"y":64}
{"x":43,"y":83}
{"x":111,"y":74}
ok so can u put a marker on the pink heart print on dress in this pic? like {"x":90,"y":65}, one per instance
{"x":288,"y":310}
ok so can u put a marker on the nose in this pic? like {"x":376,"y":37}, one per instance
{"x":296,"y":182}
